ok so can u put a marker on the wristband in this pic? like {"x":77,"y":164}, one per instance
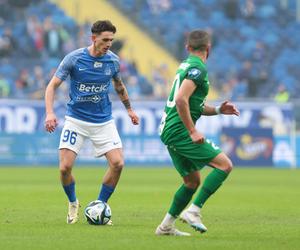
{"x":218,"y":110}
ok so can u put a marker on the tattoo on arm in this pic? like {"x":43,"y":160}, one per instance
{"x":122,"y":93}
{"x":127,"y":104}
{"x":119,"y":87}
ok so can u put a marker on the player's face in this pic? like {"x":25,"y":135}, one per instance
{"x":103,"y":41}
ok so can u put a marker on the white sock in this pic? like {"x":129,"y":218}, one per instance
{"x":74,"y":202}
{"x":168,"y":220}
{"x":193,"y":208}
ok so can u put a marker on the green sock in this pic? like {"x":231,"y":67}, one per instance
{"x":212,"y":182}
{"x":181,"y":198}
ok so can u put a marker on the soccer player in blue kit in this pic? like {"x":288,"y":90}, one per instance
{"x":89,"y":113}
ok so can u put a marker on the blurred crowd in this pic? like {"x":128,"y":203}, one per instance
{"x":34,"y":37}
{"x":255,"y":45}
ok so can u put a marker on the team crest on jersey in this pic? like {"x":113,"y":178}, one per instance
{"x":97,"y":64}
{"x":194,"y":73}
{"x":107,"y":71}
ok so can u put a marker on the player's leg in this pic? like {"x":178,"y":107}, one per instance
{"x":222,"y":167}
{"x":107,"y":142}
{"x":112,"y":174}
{"x":193,"y":219}
{"x":182,"y":196}
{"x":67,"y":158}
{"x":196,"y":157}
{"x":71,"y":141}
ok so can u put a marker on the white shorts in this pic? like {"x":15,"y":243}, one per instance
{"x":104,"y":136}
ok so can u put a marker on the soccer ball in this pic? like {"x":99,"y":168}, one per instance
{"x":97,"y":213}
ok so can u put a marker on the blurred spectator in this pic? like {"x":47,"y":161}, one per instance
{"x":5,"y":10}
{"x":158,"y":6}
{"x":67,"y":42}
{"x":259,"y":52}
{"x":282,"y":94}
{"x":133,"y":88}
{"x":248,"y":9}
{"x":39,"y":85}
{"x":226,"y":91}
{"x":24,"y":83}
{"x":239,"y":89}
{"x":36,"y":34}
{"x":246,"y":71}
{"x":256,"y":82}
{"x":52,"y":38}
{"x":83,"y":35}
{"x":20,"y":3}
{"x":161,"y":80}
{"x":7,"y":43}
{"x":145,"y":86}
{"x":181,"y":52}
{"x":231,"y":8}
{"x":4,"y":87}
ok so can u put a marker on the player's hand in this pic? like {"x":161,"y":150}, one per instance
{"x":197,"y":137}
{"x":228,"y":108}
{"x":51,"y":122}
{"x":134,"y":118}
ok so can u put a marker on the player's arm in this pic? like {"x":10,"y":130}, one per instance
{"x":123,"y":95}
{"x":182,"y":104}
{"x":226,"y":108}
{"x":60,"y":75}
{"x":51,"y":120}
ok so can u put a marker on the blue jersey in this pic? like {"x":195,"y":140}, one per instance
{"x":90,"y":81}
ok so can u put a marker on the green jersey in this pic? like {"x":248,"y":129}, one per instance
{"x":171,"y":127}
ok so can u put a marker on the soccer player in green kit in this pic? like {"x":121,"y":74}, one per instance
{"x":189,"y":149}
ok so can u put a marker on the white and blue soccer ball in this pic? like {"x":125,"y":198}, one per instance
{"x":97,"y":213}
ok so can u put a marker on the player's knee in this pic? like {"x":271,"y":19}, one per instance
{"x":65,"y":168}
{"x":223,"y":163}
{"x":195,"y":184}
{"x":192,"y":184}
{"x":228,"y":166}
{"x":117,"y":165}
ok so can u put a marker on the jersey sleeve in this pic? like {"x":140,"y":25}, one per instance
{"x":196,"y":75}
{"x":117,"y":74}
{"x":64,"y":68}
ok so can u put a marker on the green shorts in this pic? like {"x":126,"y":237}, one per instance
{"x":189,"y":157}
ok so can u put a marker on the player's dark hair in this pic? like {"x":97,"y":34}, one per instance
{"x":103,"y":25}
{"x":198,"y":40}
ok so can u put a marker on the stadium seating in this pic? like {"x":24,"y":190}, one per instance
{"x":263,"y":32}
{"x":259,"y":34}
{"x":28,"y":51}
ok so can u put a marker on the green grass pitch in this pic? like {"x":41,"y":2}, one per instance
{"x":256,"y":208}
